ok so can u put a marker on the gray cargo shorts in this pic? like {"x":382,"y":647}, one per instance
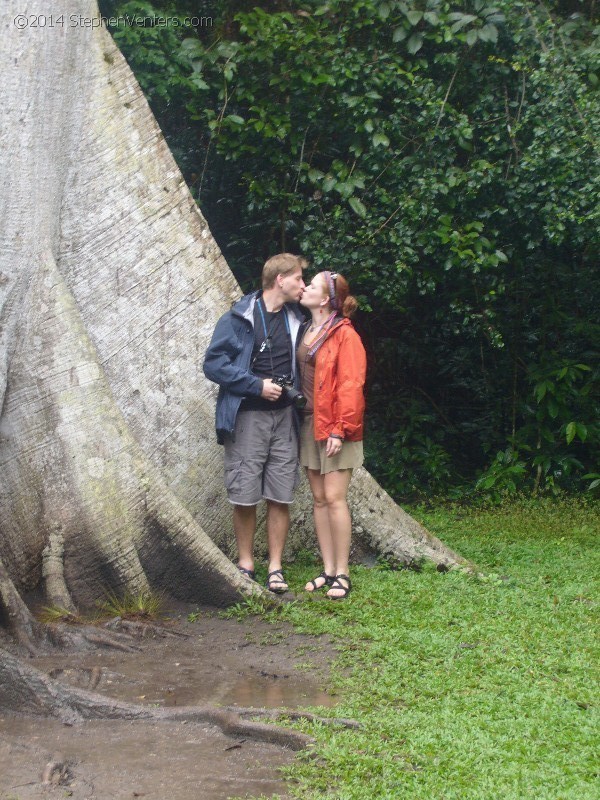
{"x":261,"y":459}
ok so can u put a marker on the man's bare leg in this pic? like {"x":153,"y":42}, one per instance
{"x":244,"y":525}
{"x":278,"y":525}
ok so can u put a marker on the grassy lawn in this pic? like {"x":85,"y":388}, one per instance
{"x":467,"y":687}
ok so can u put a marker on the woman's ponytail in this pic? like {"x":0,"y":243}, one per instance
{"x":349,"y":306}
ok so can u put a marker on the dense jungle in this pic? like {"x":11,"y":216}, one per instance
{"x":444,"y":157}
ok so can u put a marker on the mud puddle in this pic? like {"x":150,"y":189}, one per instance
{"x":216,"y":661}
{"x":223,"y":662}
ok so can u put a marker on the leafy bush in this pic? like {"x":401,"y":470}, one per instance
{"x":444,"y":157}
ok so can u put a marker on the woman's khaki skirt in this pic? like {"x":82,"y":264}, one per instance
{"x":312,"y":453}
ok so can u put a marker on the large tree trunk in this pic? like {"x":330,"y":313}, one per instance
{"x":111,"y":284}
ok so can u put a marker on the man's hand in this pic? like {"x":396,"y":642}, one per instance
{"x":333,"y":447}
{"x":270,"y":391}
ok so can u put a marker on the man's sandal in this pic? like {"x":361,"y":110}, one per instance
{"x":248,"y":573}
{"x":276,"y":577}
{"x":337,"y":584}
{"x":328,"y":580}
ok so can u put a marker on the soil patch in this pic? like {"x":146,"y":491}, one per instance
{"x":217,"y":661}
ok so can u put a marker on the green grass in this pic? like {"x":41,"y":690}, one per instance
{"x":466,"y":687}
{"x":53,"y":614}
{"x":142,"y":605}
{"x":132,"y":605}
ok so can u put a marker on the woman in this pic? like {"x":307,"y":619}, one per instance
{"x":332,"y":364}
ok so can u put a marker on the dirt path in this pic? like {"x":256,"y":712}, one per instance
{"x":219,"y":661}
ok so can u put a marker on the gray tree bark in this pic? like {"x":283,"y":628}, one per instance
{"x":110,"y":287}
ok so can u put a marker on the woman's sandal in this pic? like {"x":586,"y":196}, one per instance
{"x":276,"y":577}
{"x":329,"y":579}
{"x":337,"y":584}
{"x":248,"y":573}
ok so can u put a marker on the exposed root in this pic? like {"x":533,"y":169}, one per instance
{"x":385,"y":528}
{"x":35,"y":638}
{"x":93,"y":676}
{"x":53,"y":571}
{"x":85,"y":637}
{"x":144,"y":630}
{"x":28,"y":690}
{"x":112,"y":640}
{"x":28,"y":633}
{"x":277,"y":714}
{"x":56,"y":772}
{"x":232,"y":724}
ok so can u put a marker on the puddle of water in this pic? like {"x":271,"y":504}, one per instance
{"x":191,"y":686}
{"x":186,"y":679}
{"x":221,"y":663}
{"x":280,"y":693}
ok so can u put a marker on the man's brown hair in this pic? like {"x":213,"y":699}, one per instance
{"x":281,"y":264}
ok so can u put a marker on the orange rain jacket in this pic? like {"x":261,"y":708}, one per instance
{"x":339,"y":401}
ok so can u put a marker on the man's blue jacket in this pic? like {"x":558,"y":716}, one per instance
{"x":227,"y":360}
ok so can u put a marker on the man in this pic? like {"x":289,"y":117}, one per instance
{"x":253,"y":344}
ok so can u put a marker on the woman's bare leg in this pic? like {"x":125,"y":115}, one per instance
{"x":321,"y":517}
{"x":340,"y":523}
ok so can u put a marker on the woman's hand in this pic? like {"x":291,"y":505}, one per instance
{"x":333,"y":446}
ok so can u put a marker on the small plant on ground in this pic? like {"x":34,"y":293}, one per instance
{"x":132,"y":605}
{"x":254,"y":605}
{"x":54,"y":614}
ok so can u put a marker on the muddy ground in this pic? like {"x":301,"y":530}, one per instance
{"x":218,"y":661}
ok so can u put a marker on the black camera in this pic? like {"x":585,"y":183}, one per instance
{"x":297,"y":398}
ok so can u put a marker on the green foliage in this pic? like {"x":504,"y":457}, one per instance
{"x":594,"y":477}
{"x":443,"y":156}
{"x":408,"y":457}
{"x":504,"y":475}
{"x":153,"y":49}
{"x":253,"y":605}
{"x":479,"y":686}
{"x":132,"y":605}
{"x":53,"y":614}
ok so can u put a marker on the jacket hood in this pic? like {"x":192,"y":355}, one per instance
{"x":244,"y":307}
{"x":337,"y":323}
